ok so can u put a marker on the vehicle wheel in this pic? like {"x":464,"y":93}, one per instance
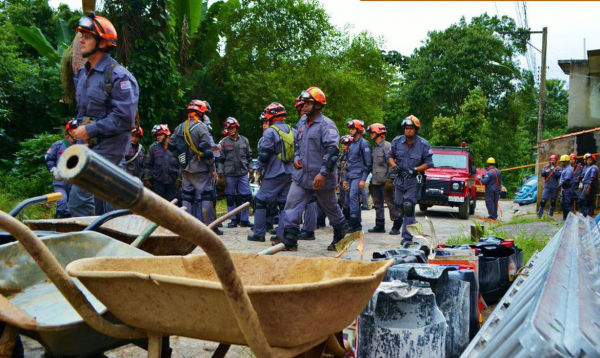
{"x":472,"y":207}
{"x":463,"y":209}
{"x":423,"y":207}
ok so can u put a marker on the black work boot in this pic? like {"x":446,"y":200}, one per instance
{"x":377,"y":228}
{"x":276,"y":240}
{"x":290,"y":239}
{"x":232,"y":224}
{"x":406,"y":243}
{"x":354,"y":224}
{"x":306,"y":235}
{"x":273,"y":231}
{"x":217,"y":231}
{"x":339,"y":232}
{"x":396,"y":228}
{"x":246,"y":224}
{"x":256,"y":238}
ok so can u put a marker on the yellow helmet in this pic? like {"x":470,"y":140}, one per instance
{"x":564,"y":158}
{"x":491,"y":160}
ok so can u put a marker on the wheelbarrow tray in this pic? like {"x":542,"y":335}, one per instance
{"x":126,"y":229}
{"x":31,"y":302}
{"x":298,"y":300}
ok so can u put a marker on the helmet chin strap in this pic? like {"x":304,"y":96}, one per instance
{"x":96,"y":49}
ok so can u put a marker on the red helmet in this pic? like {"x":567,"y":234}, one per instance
{"x":313,"y":94}
{"x":573,"y":156}
{"x":98,"y":26}
{"x":411,"y":121}
{"x":161,"y":129}
{"x":231,"y":122}
{"x":588,"y":155}
{"x":198,"y":106}
{"x":356,"y":124}
{"x":377,"y":128}
{"x":138,"y":130}
{"x":275,"y":111}
{"x":72,"y":124}
{"x":346,"y":139}
{"x":299,"y":103}
{"x":554,"y":157}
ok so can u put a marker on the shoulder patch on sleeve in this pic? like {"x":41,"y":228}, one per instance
{"x":430,"y":151}
{"x":125,"y":85}
{"x":333,"y":131}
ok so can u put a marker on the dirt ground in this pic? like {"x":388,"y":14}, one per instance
{"x":445,"y":221}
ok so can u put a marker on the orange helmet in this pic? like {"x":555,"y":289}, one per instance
{"x":231,"y":122}
{"x":588,"y":155}
{"x":411,"y":121}
{"x":98,"y":26}
{"x":356,"y":124}
{"x":138,"y":130}
{"x":275,"y":112}
{"x":161,"y":129}
{"x":313,"y":94}
{"x":573,"y":156}
{"x":72,"y":124}
{"x":198,"y":106}
{"x":377,"y":128}
{"x":299,"y":103}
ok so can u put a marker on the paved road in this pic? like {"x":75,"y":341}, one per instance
{"x":445,"y":222}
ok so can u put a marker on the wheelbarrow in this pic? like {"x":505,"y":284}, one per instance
{"x":33,"y":305}
{"x":278,"y":306}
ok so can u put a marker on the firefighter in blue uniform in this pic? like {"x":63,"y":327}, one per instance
{"x":577,"y":176}
{"x":358,"y":168}
{"x":315,"y":170}
{"x":493,"y":184}
{"x":589,"y":186}
{"x":275,"y":165}
{"x":551,"y":175}
{"x":410,"y":155}
{"x":135,"y":155}
{"x":566,"y":184}
{"x":52,"y":156}
{"x":107,"y":99}
{"x":161,"y":168}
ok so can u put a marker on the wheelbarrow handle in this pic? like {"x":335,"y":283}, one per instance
{"x":38,"y":199}
{"x":80,"y":166}
{"x":104,"y":218}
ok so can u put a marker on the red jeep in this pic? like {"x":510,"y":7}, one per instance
{"x":451,"y":181}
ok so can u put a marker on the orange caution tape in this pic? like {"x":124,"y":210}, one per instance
{"x":533,"y":165}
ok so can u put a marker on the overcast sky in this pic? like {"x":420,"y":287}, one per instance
{"x":404,"y":24}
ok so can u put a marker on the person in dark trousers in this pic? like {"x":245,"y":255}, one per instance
{"x":589,"y":186}
{"x":315,"y":170}
{"x":342,"y":162}
{"x":51,"y":157}
{"x":161,"y":169}
{"x":107,"y":100}
{"x":275,"y":164}
{"x":357,"y":171}
{"x":381,"y":169}
{"x":566,"y":184}
{"x":410,"y":155}
{"x":551,"y":175}
{"x":190,"y":144}
{"x":577,"y":176}
{"x":235,"y":165}
{"x":134,"y":158}
{"x":493,"y":184}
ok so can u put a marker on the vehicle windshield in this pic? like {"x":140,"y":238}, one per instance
{"x":452,"y":161}
{"x":532,"y":182}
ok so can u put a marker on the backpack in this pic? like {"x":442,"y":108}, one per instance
{"x":181,"y":142}
{"x":287,"y":145}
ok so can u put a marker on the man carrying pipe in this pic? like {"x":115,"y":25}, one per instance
{"x":551,"y":175}
{"x":566,"y":184}
{"x":493,"y":186}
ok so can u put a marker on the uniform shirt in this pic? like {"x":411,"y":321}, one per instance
{"x":578,"y":172}
{"x":113,"y":118}
{"x":160,"y":164}
{"x":53,"y":154}
{"x":408,"y":157}
{"x":381,"y":166}
{"x":360,"y":161}
{"x":135,"y":167}
{"x":566,"y":181}
{"x":271,"y":142}
{"x":591,"y":175}
{"x":201,"y":140}
{"x":236,"y":156}
{"x":552,"y":176}
{"x":490,"y":182}
{"x":314,"y":142}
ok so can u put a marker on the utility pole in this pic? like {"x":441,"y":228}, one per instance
{"x":540,"y":129}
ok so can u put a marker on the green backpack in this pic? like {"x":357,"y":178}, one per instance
{"x":287,"y":148}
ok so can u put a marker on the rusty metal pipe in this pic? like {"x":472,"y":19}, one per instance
{"x":82,"y":167}
{"x":55,"y":272}
{"x":233,"y":212}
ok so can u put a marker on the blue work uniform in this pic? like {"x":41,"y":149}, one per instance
{"x":134,"y":160}
{"x":316,"y":149}
{"x":235,"y":163}
{"x":52,"y":155}
{"x":493,"y":186}
{"x":358,"y":168}
{"x":551,"y":177}
{"x":567,"y":184}
{"x":162,"y":168}
{"x":588,"y":192}
{"x":113,"y":118}
{"x":276,"y":178}
{"x":405,"y":191}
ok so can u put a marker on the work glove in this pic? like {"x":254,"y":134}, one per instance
{"x":409,"y":173}
{"x":177,"y":184}
{"x":221,"y":181}
{"x":55,"y":173}
{"x":393,"y":174}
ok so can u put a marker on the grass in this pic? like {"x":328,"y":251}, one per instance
{"x":34,"y":212}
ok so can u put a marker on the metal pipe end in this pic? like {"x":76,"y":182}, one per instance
{"x":72,"y":162}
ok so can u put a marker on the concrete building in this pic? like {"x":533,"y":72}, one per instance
{"x":584,"y":91}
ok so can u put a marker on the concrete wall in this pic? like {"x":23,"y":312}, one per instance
{"x":584,"y":97}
